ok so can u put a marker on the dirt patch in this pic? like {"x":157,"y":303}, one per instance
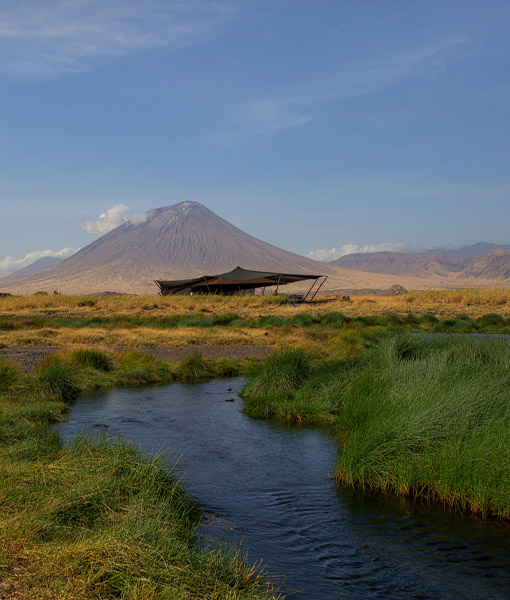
{"x":30,"y":357}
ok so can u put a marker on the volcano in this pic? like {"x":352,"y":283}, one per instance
{"x":174,"y":242}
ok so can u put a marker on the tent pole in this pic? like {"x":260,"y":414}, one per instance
{"x":277,"y":285}
{"x":207,"y":284}
{"x":323,"y":281}
{"x":309,"y":291}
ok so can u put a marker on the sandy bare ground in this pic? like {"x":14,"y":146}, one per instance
{"x":30,"y":357}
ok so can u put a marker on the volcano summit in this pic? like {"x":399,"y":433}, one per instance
{"x":173,"y":242}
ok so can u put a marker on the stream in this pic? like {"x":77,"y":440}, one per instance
{"x":268,"y":486}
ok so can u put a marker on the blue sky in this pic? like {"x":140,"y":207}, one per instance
{"x":313,"y":125}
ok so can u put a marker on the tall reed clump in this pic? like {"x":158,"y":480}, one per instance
{"x":93,"y":358}
{"x":197,"y":367}
{"x":57,"y":378}
{"x":431,"y":420}
{"x":138,"y":368}
{"x":283,"y":372}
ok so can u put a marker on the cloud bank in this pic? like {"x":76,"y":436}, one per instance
{"x":53,"y":37}
{"x":10,"y":264}
{"x":110,"y":219}
{"x":334,"y":253}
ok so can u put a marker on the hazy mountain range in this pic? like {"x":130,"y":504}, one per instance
{"x":188,"y":240}
{"x":39,"y":265}
{"x":468,"y":262}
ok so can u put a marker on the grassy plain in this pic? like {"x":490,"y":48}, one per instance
{"x":133,"y":321}
{"x":95,"y":519}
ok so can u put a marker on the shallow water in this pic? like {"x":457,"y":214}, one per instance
{"x":270,"y":486}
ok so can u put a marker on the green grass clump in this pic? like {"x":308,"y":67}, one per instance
{"x":318,"y":400}
{"x":282,"y":372}
{"x":228,"y":320}
{"x":428,"y":318}
{"x":197,"y":368}
{"x":9,"y":374}
{"x":57,"y":378}
{"x":335,"y":318}
{"x":459,"y":324}
{"x":431,"y":420}
{"x":272,"y":321}
{"x":91,"y":357}
{"x":490,"y":320}
{"x":304,"y":320}
{"x":137,"y":368}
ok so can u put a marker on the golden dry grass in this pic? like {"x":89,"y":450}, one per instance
{"x":442,"y":303}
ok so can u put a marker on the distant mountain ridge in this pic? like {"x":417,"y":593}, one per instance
{"x":39,"y":265}
{"x":472,"y":250}
{"x":492,"y":264}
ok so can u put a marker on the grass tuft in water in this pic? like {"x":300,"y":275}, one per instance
{"x":283,"y":372}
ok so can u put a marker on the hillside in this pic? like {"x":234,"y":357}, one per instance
{"x":492,"y":265}
{"x":402,"y":264}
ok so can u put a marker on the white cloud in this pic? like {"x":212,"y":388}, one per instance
{"x":41,"y":37}
{"x":296,"y":107}
{"x":110,"y":219}
{"x":10,"y":264}
{"x":334,"y":253}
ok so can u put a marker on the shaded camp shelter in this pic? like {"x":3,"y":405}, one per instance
{"x":235,"y":281}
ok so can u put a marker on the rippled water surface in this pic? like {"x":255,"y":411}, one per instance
{"x":270,"y":486}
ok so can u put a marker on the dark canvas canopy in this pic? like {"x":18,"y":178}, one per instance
{"x":237,"y":280}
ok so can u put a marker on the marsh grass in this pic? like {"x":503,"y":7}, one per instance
{"x":428,"y":419}
{"x":57,"y":378}
{"x":94,"y":358}
{"x":10,"y":374}
{"x":283,"y":372}
{"x":96,"y":519}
